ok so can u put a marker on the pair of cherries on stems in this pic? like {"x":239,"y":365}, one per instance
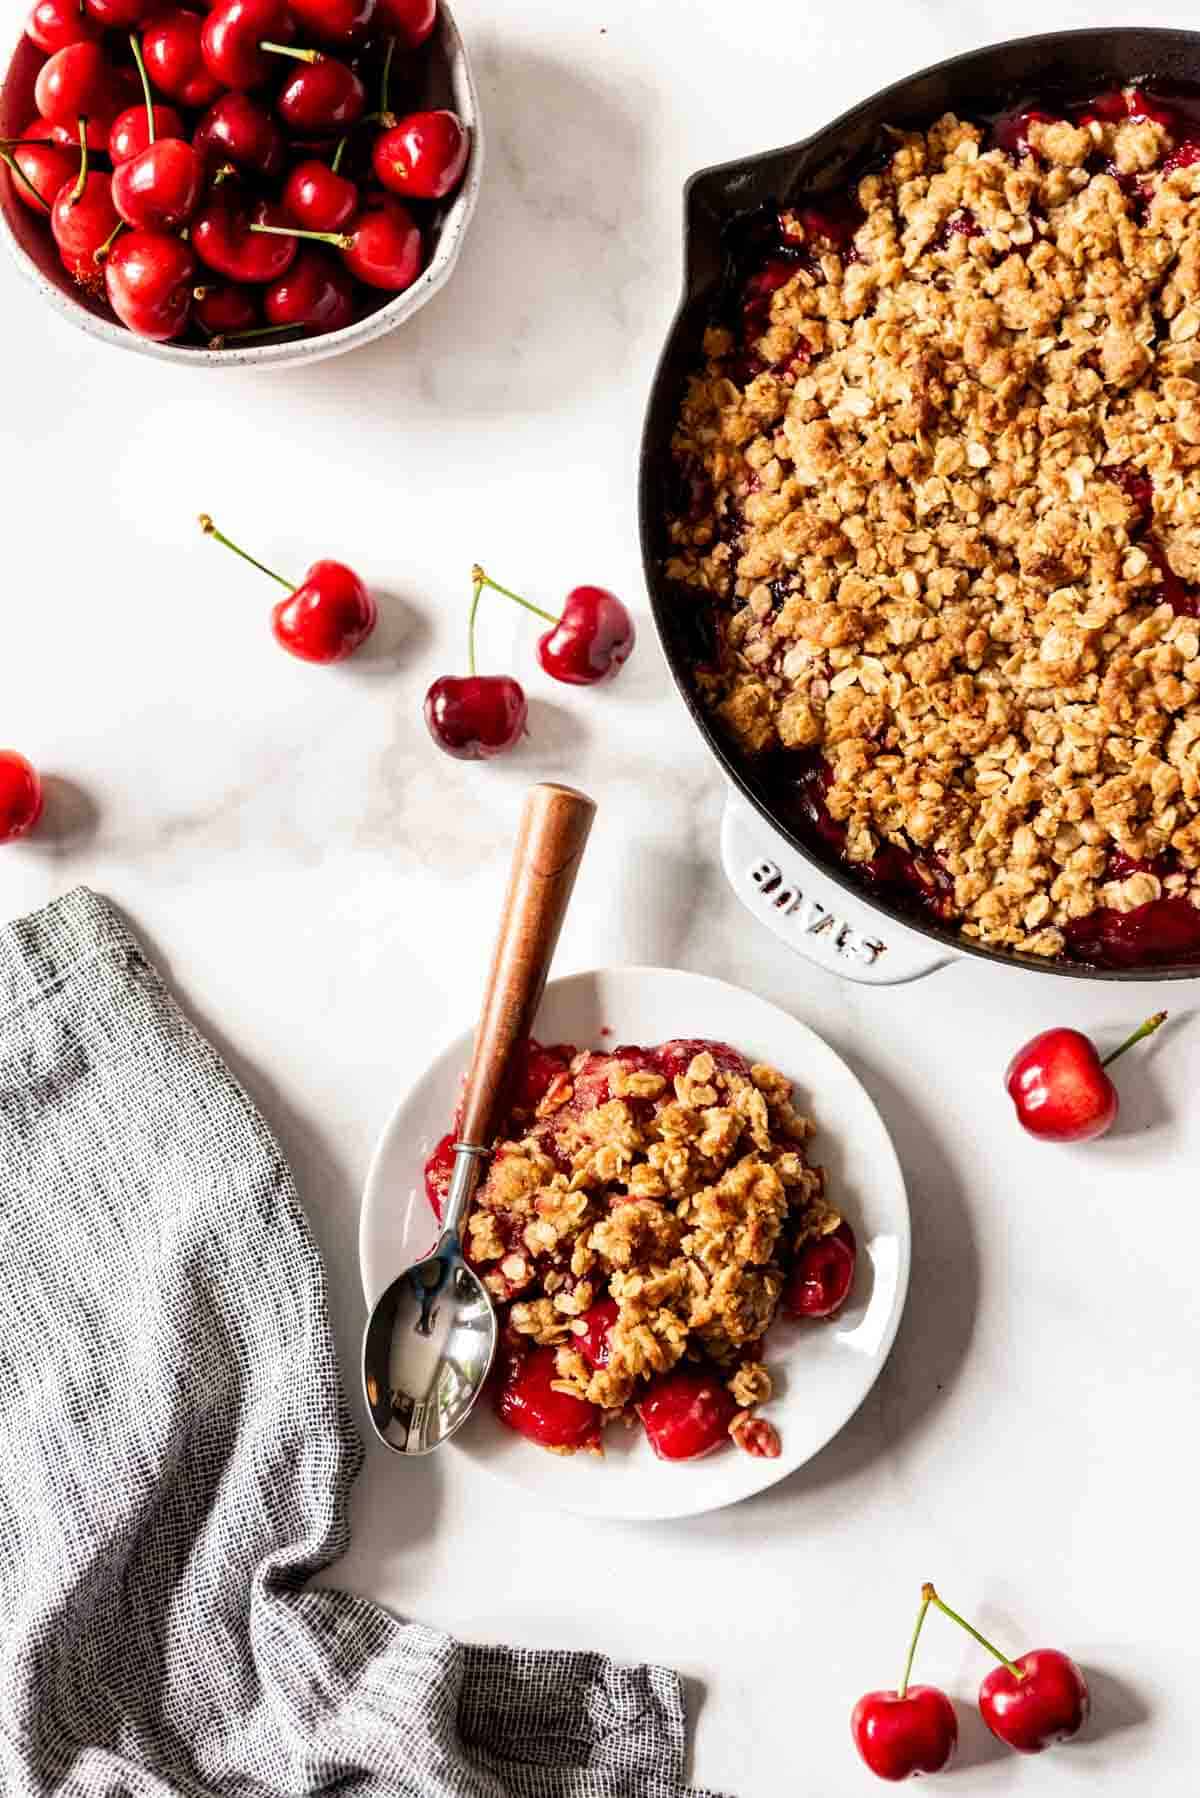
{"x":478,"y":716}
{"x":1029,"y":1704}
{"x":20,"y":796}
{"x":325,"y":618}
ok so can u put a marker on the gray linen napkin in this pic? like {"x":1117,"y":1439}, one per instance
{"x":176,"y":1454}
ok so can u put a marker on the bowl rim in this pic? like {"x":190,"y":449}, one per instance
{"x":729,"y":176}
{"x":446,"y":251}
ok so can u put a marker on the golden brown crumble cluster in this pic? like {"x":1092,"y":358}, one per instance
{"x":927,"y":521}
{"x":673,"y":1198}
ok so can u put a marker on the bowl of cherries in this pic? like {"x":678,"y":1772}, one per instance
{"x":260,"y":181}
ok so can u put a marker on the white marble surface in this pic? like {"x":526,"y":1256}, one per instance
{"x":321,"y":885}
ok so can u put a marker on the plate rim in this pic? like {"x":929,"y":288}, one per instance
{"x":685,"y":1508}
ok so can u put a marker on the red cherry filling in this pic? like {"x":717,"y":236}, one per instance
{"x":822,"y":1274}
{"x":1159,"y":933}
{"x":593,"y":1340}
{"x":438,"y":1170}
{"x":686,"y":1414}
{"x":534,"y":1071}
{"x":678,"y":1055}
{"x":528,"y":1403}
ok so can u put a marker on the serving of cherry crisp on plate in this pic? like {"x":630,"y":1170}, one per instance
{"x":646,"y":1216}
{"x":939,"y":488}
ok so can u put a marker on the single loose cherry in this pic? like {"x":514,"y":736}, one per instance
{"x":129,"y":132}
{"x":316,"y":294}
{"x":911,"y":1731}
{"x":333,"y":21}
{"x":901,"y":1735}
{"x":171,"y":46}
{"x":384,"y":248}
{"x":686,"y":1413}
{"x":149,"y":277}
{"x":528,"y":1402}
{"x":325,"y":618}
{"x":20,"y":796}
{"x":76,"y":82}
{"x":474,"y":717}
{"x":423,"y":156}
{"x":237,"y":129}
{"x":224,"y":306}
{"x":325,"y":95}
{"x":409,"y":21}
{"x":1037,"y":1700}
{"x":591,"y":639}
{"x":317,"y":198}
{"x":241,"y":39}
{"x":54,"y":24}
{"x":819,"y":1280}
{"x":242,"y":239}
{"x":1059,"y":1085}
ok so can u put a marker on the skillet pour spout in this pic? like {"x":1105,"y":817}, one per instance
{"x":722,"y":204}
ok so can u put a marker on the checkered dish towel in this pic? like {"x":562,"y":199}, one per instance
{"x":176,"y":1454}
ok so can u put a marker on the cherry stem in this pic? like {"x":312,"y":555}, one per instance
{"x":287,"y":50}
{"x":385,"y":83}
{"x":480,"y":580}
{"x":912,"y":1646}
{"x":1142,"y":1031}
{"x":81,"y":183}
{"x":485,"y":580}
{"x":210,"y":530}
{"x":929,"y":1596}
{"x":338,"y":239}
{"x":219,"y":342}
{"x":100,"y":254}
{"x":386,"y":119}
{"x":145,"y":80}
{"x":336,"y":164}
{"x":226,"y":172}
{"x":14,"y":168}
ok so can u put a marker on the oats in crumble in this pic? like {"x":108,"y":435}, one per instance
{"x":940,"y":480}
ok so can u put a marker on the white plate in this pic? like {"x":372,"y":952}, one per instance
{"x":822,"y":1372}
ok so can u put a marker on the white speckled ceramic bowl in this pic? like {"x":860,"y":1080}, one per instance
{"x":446,"y":82}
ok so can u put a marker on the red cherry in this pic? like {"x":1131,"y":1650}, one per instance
{"x":223,"y":307}
{"x":385,"y":247}
{"x":1060,"y":1089}
{"x":157,"y":189}
{"x":224,"y":240}
{"x":237,"y":129}
{"x":20,"y":796}
{"x":592,"y":640}
{"x":53,"y":24}
{"x":76,"y":82}
{"x":686,"y":1414}
{"x":325,"y":95}
{"x":901,"y":1737}
{"x":528,"y":1403}
{"x":149,"y":280}
{"x":171,"y":47}
{"x":438,"y":1171}
{"x":45,"y":167}
{"x":409,"y":21}
{"x":476,"y":717}
{"x":122,"y":15}
{"x":325,"y":618}
{"x":317,"y":198}
{"x":593,"y":1340}
{"x":1049,"y":1703}
{"x":333,"y":21}
{"x":821,"y":1275}
{"x":129,"y":132}
{"x":233,"y":38}
{"x":83,"y":219}
{"x":98,"y":128}
{"x":316,"y":293}
{"x":423,"y":156}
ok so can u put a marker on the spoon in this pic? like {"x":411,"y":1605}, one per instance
{"x":431,"y":1338}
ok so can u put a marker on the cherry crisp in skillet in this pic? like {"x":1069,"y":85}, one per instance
{"x":939,"y":488}
{"x":646,"y":1215}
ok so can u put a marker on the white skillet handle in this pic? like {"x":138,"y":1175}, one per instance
{"x":812,"y":914}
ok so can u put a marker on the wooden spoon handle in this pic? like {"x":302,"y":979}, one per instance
{"x":549,"y":848}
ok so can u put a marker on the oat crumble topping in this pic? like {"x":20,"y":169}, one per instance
{"x":945,"y":506}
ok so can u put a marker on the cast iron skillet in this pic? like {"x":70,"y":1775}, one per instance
{"x":1074,"y":63}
